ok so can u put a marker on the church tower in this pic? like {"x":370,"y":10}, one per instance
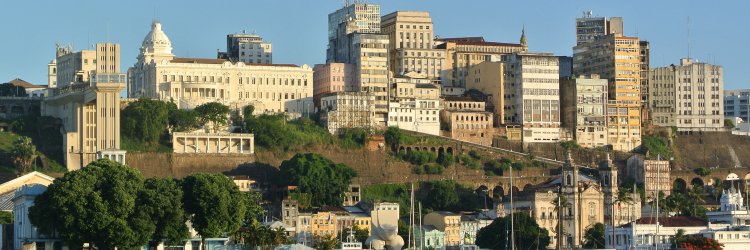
{"x":523,"y":36}
{"x":608,"y":174}
{"x":570,"y":189}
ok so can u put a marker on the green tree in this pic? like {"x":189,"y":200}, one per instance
{"x":212,"y":112}
{"x":569,"y":145}
{"x":594,"y":237}
{"x":145,"y":120}
{"x":528,"y":234}
{"x":392,"y":137}
{"x":327,"y":242}
{"x":24,"y":152}
{"x":6,"y":217}
{"x":214,"y":205}
{"x":702,"y":171}
{"x":679,"y":238}
{"x":442,"y":195}
{"x":161,"y":199}
{"x":183,"y":119}
{"x":254,"y":211}
{"x":324,"y":180}
{"x":360,"y":234}
{"x":7,"y":89}
{"x":97,"y":204}
{"x":728,"y":124}
{"x":248,"y":110}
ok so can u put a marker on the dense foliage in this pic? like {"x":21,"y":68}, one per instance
{"x":449,"y":195}
{"x":145,"y":120}
{"x":24,"y":152}
{"x":353,"y":137}
{"x":528,"y":234}
{"x":45,"y":135}
{"x":394,"y":137}
{"x":274,"y":132}
{"x":166,"y":210}
{"x":696,"y":242}
{"x":213,"y":203}
{"x":97,"y":204}
{"x":321,"y":178}
{"x":686,"y":204}
{"x":656,"y":146}
{"x":702,"y":171}
{"x":212,"y":112}
{"x":594,"y":237}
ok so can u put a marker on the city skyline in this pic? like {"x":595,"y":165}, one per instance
{"x":299,"y":32}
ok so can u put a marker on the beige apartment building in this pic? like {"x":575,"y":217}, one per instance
{"x":411,"y":41}
{"x":616,"y":58}
{"x":466,"y":119}
{"x":447,"y":222}
{"x":87,"y":101}
{"x":532,"y":95}
{"x":347,"y":110}
{"x":689,"y":96}
{"x":189,"y":82}
{"x":414,"y":105}
{"x":489,"y":78}
{"x":584,"y":105}
{"x":462,"y":53}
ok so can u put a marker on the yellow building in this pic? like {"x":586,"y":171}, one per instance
{"x":616,"y":58}
{"x":410,"y":47}
{"x":462,"y":53}
{"x":323,"y":223}
{"x":488,"y":78}
{"x":447,"y":222}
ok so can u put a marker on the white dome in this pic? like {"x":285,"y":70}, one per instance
{"x":156,"y":41}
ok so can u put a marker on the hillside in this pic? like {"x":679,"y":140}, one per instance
{"x":711,"y":149}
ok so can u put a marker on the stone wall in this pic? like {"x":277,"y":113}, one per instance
{"x":181,"y":165}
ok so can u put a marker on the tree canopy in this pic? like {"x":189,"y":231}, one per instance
{"x":145,"y":120}
{"x":594,"y":237}
{"x":527,"y":232}
{"x":97,"y":204}
{"x":213,"y":112}
{"x":164,"y":199}
{"x":324,"y":180}
{"x":24,"y":152}
{"x":213,"y":203}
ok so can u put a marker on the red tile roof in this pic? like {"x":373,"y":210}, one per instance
{"x":675,"y":221}
{"x":21,"y":83}
{"x":456,"y":39}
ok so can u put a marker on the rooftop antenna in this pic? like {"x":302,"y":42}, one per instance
{"x":688,"y":23}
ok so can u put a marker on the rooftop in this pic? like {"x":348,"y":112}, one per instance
{"x":675,"y":221}
{"x":221,"y":61}
{"x":21,"y":83}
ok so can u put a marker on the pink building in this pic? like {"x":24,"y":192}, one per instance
{"x":330,"y":78}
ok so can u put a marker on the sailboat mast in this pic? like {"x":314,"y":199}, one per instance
{"x":658,"y":170}
{"x":512,"y":229}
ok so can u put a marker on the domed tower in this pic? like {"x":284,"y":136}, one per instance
{"x":523,"y":36}
{"x":156,"y":46}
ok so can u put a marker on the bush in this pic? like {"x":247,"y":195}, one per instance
{"x":445,"y":160}
{"x":518,"y":166}
{"x":273,"y":132}
{"x":419,"y":157}
{"x":469,"y":162}
{"x":656,"y":146}
{"x":474,"y":154}
{"x":702,"y":171}
{"x":353,"y":137}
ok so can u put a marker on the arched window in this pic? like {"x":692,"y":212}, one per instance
{"x":569,"y":180}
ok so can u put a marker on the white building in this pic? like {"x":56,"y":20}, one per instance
{"x":689,"y":96}
{"x":415,"y":105}
{"x":533,"y":95}
{"x":584,"y":105}
{"x":189,"y":82}
{"x":642,"y":233}
{"x":347,"y":110}
{"x":248,"y":48}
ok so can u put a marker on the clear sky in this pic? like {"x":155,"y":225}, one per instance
{"x":720,"y":31}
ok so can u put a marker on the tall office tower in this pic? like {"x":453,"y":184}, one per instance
{"x":645,"y":69}
{"x":410,"y":34}
{"x":590,"y":27}
{"x":353,"y":38}
{"x":248,"y":48}
{"x":352,"y":18}
{"x":616,"y":58}
{"x":87,"y":101}
{"x":462,"y":53}
{"x":689,"y":96}
{"x":532,"y":95}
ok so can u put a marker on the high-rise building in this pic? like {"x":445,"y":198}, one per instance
{"x":248,"y":48}
{"x":532,"y":95}
{"x":87,"y":101}
{"x":645,"y":69}
{"x":331,"y":78}
{"x":352,"y":18}
{"x":462,"y":53}
{"x":411,"y":44}
{"x":737,"y":104}
{"x":584,"y":105}
{"x":616,"y":58}
{"x":590,"y":27}
{"x":689,"y":96}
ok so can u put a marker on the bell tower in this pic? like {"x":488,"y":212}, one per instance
{"x":570,"y":189}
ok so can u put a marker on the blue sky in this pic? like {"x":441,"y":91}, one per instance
{"x":297,"y":28}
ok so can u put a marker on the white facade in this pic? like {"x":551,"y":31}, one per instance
{"x":24,"y":231}
{"x":533,"y":95}
{"x":415,"y":106}
{"x":190,"y":82}
{"x":347,"y":110}
{"x":644,"y":235}
{"x":689,"y":96}
{"x":584,"y":110}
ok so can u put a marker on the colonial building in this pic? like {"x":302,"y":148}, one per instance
{"x":532,"y":95}
{"x":429,"y":237}
{"x":87,"y":101}
{"x":189,"y":82}
{"x":213,"y":143}
{"x":447,"y":222}
{"x":584,"y":105}
{"x":466,"y":119}
{"x":689,"y":96}
{"x":616,"y":58}
{"x":415,"y":105}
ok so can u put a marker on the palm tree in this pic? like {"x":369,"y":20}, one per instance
{"x":24,"y":152}
{"x":696,"y":195}
{"x":623,"y":196}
